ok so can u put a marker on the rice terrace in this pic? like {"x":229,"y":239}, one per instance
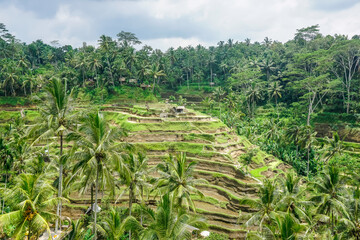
{"x":168,"y":135}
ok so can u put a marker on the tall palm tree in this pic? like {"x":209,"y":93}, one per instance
{"x":334,"y":146}
{"x":177,"y":178}
{"x":154,"y":72}
{"x":253,"y":94}
{"x":275,"y":91}
{"x":328,"y":194}
{"x":307,"y":139}
{"x":133,"y":173}
{"x":265,"y":204}
{"x":113,"y":226}
{"x":285,"y":228}
{"x":6,"y":163}
{"x":351,"y":226}
{"x":218,"y":94}
{"x":32,"y":200}
{"x":167,"y":222}
{"x":57,"y":120}
{"x":97,"y":148}
{"x":291,"y":197}
{"x":95,"y":64}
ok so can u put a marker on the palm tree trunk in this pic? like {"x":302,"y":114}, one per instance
{"x":130,"y":204}
{"x":96,"y":199}
{"x":29,"y":234}
{"x":58,"y":210}
{"x":92,"y":198}
{"x":3,"y":204}
{"x":154,"y":85}
{"x":308,"y":161}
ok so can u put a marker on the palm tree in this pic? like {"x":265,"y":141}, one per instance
{"x":334,"y":147}
{"x":6,"y":163}
{"x":168,"y":222}
{"x":218,"y":94}
{"x":286,"y":228}
{"x":253,"y":94}
{"x":97,"y":148}
{"x":328,"y":194}
{"x":265,"y":204}
{"x":134,"y":173}
{"x":95,"y":64}
{"x":154,"y":72}
{"x":57,"y":120}
{"x":351,"y":226}
{"x":113,"y":226}
{"x":307,"y":138}
{"x":275,"y":91}
{"x":32,"y":198}
{"x":77,"y":230}
{"x":177,"y":179}
{"x":81,"y":63}
{"x":291,"y":196}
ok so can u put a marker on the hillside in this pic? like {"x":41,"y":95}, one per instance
{"x":209,"y":143}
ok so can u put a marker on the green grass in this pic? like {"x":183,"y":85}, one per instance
{"x":193,"y":136}
{"x":221,"y":228}
{"x":132,"y":94}
{"x":210,"y":200}
{"x":257,"y":172}
{"x":7,"y":115}
{"x":221,"y":175}
{"x":164,"y":126}
{"x":117,"y":118}
{"x":194,"y":148}
{"x":14,"y":101}
{"x":229,"y":194}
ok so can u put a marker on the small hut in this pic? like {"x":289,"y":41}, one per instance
{"x":179,"y":109}
{"x":145,"y":86}
{"x":212,"y":84}
{"x":122,"y":80}
{"x":133,"y":81}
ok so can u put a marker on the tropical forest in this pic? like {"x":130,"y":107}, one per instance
{"x":241,"y":140}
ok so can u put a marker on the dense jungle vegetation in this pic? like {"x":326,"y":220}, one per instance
{"x":280,"y":96}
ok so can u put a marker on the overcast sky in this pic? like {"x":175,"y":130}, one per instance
{"x":165,"y":23}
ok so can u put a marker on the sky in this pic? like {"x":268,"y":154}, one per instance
{"x":172,"y":23}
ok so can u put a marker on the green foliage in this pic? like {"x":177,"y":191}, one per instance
{"x":217,"y":236}
{"x":14,"y":101}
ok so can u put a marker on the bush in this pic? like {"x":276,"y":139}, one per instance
{"x":217,"y":236}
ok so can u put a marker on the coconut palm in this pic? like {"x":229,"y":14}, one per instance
{"x":177,"y":178}
{"x":291,"y":197}
{"x":265,"y":205}
{"x":351,"y":225}
{"x":77,"y":230}
{"x":307,"y":139}
{"x":275,"y":91}
{"x":154,"y":72}
{"x":133,"y":173}
{"x":32,"y":199}
{"x":6,"y":163}
{"x":328,"y":194}
{"x":167,"y":222}
{"x":218,"y":93}
{"x":285,"y":228}
{"x":335,"y":146}
{"x":57,"y":121}
{"x":253,"y":94}
{"x":97,"y":148}
{"x":113,"y":226}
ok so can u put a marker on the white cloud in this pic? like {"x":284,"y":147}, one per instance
{"x":166,"y":43}
{"x":165,"y":23}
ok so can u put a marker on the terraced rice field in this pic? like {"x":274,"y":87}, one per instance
{"x":216,"y":150}
{"x":205,"y":140}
